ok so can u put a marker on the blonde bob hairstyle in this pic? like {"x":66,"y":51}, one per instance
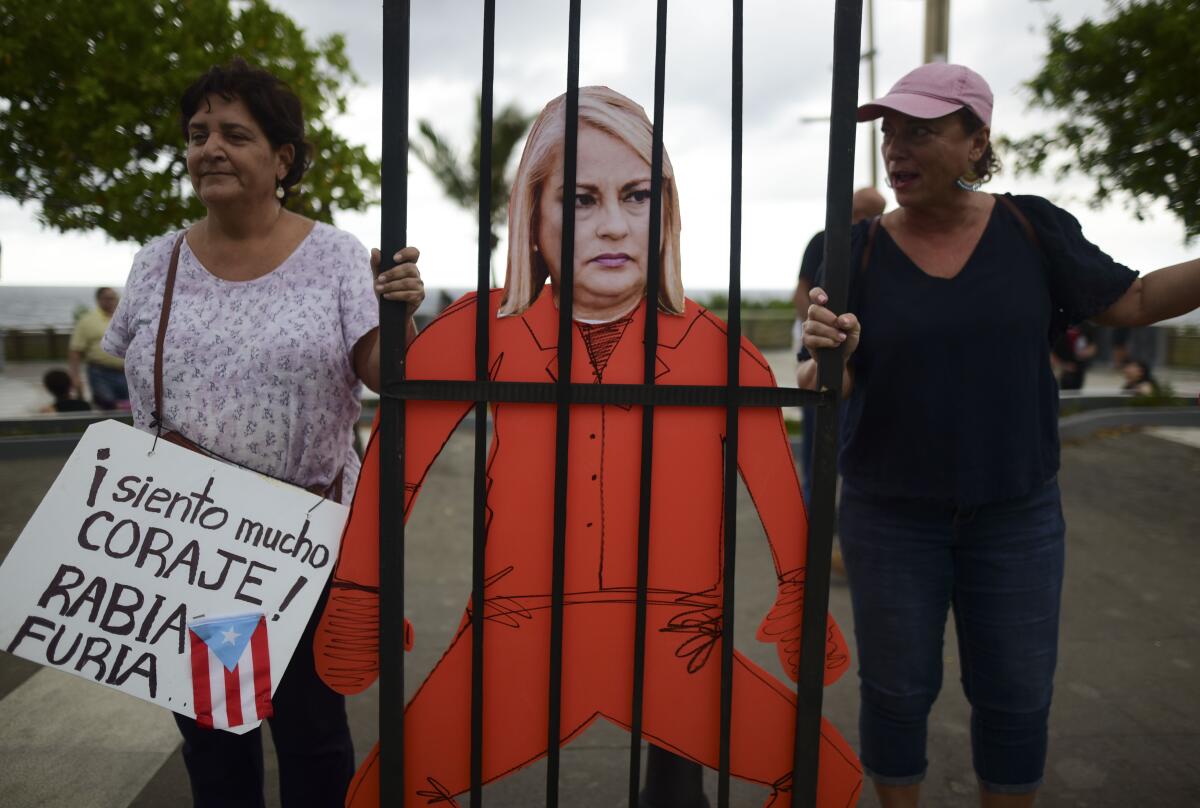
{"x":613,"y":114}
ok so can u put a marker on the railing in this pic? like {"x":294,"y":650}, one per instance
{"x":564,"y":394}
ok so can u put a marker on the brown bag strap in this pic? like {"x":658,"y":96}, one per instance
{"x":164,"y":316}
{"x":872,"y":231}
{"x":1021,"y":218}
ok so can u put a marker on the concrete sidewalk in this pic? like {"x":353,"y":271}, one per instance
{"x":1125,"y":728}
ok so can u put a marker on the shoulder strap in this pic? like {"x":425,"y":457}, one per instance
{"x":164,"y":316}
{"x":1021,"y":218}
{"x":872,"y":231}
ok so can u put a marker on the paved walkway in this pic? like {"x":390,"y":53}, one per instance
{"x":1125,"y":726}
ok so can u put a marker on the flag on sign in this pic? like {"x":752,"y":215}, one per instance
{"x":231,"y":670}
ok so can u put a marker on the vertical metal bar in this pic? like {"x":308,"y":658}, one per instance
{"x":871,"y":90}
{"x":566,"y":295}
{"x":732,"y":380}
{"x":649,"y":359}
{"x":847,"y":34}
{"x":937,"y":30}
{"x":393,"y":329}
{"x":482,"y":318}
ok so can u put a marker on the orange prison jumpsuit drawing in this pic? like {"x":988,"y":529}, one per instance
{"x":682,"y":681}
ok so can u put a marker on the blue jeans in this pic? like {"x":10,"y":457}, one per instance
{"x":1000,"y":566}
{"x":808,"y":443}
{"x":108,"y":385}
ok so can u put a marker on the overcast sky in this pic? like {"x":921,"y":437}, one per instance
{"x":787,"y":80}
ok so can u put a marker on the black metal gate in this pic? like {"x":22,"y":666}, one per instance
{"x":562,"y":393}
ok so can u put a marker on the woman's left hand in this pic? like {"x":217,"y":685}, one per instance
{"x":402,"y":283}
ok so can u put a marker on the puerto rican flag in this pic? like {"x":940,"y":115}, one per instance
{"x":231,"y":670}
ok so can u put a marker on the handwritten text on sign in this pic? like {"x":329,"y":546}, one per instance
{"x":128,"y":547}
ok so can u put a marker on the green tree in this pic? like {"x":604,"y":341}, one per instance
{"x":1127,"y":91}
{"x":88,"y":106}
{"x":459,"y":177}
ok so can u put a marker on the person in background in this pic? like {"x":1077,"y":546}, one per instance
{"x":58,"y":383}
{"x":105,"y":372}
{"x":865,"y":204}
{"x":1071,"y":354}
{"x":950,"y":445}
{"x":1138,"y":379}
{"x":272,"y":328}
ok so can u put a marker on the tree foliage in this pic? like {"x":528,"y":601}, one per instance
{"x":459,"y":177}
{"x":1128,"y":93}
{"x":89,"y":97}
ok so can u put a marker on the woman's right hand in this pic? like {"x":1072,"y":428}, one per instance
{"x":824,"y":329}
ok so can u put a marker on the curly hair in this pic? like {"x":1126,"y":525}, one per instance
{"x":988,"y":163}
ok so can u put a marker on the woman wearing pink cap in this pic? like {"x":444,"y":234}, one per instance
{"x":950,"y":440}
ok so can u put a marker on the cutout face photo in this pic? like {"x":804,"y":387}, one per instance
{"x":612,"y":225}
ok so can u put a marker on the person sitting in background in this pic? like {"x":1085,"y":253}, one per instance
{"x":1139,"y":380}
{"x":105,"y":372}
{"x":58,"y":383}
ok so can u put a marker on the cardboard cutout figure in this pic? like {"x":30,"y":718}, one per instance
{"x":683,"y":671}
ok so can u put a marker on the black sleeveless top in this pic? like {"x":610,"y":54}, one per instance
{"x":954,"y":400}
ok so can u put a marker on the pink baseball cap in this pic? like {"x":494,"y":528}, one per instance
{"x":934,"y":90}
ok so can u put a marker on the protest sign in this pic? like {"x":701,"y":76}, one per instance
{"x":140,"y":547}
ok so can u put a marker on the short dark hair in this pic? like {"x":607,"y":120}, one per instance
{"x":57,"y":382}
{"x":1143,"y":367}
{"x":104,"y":289}
{"x":275,"y":107}
{"x":988,"y":163}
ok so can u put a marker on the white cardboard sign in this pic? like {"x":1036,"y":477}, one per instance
{"x":128,"y":547}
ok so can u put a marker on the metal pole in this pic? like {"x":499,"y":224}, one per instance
{"x":732,"y":381}
{"x":482,"y":317}
{"x":566,"y":296}
{"x":393,"y":328}
{"x":847,"y":33}
{"x":937,"y":30}
{"x":871,"y":95}
{"x":649,"y":359}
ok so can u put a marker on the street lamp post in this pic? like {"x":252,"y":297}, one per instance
{"x":937,"y":30}
{"x":867,"y":56}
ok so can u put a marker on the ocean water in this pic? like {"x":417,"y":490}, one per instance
{"x":43,"y":306}
{"x":36,"y":307}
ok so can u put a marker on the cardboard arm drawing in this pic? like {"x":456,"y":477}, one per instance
{"x":346,"y":644}
{"x":769,"y":471}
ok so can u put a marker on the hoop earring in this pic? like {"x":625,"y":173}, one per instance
{"x":969,"y":181}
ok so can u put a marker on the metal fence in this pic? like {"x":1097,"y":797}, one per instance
{"x":563,"y":393}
